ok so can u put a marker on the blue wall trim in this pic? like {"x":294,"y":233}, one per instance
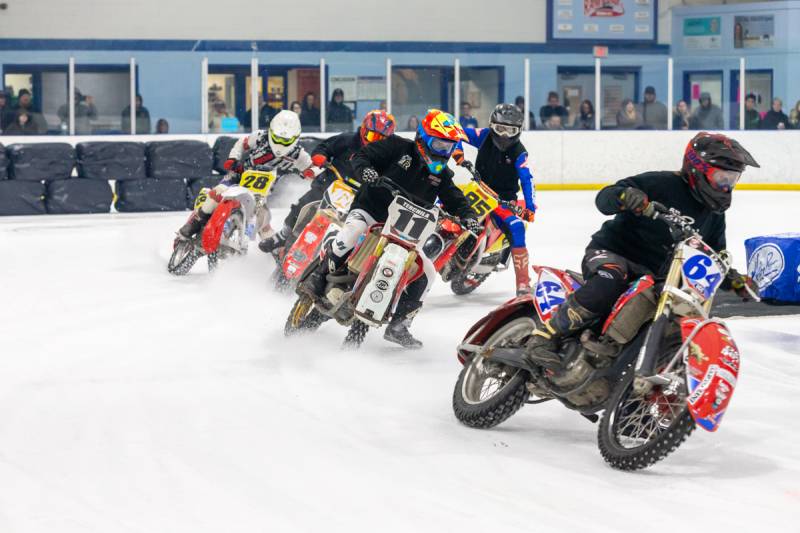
{"x":158,"y":45}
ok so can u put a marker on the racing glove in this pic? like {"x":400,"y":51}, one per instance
{"x":471,"y":225}
{"x":319,"y":160}
{"x":369,"y":175}
{"x":633,"y":200}
{"x":740,"y":283}
{"x":528,"y":215}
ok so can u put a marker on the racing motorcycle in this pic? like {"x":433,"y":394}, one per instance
{"x":381,"y":266}
{"x":466,"y":260}
{"x":232,"y":225}
{"x":316,"y":221}
{"x":657,"y":367}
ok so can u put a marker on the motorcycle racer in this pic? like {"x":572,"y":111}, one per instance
{"x":419,"y":167}
{"x":632,"y":244}
{"x":338,"y":150}
{"x":503,"y":165}
{"x":273,"y":149}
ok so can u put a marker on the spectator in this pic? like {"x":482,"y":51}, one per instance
{"x":265,"y":114}
{"x":466,"y":119}
{"x":22,"y":124}
{"x":519,"y":101}
{"x":681,"y":118}
{"x":627,"y":117}
{"x":85,"y":112}
{"x":25,"y":104}
{"x":775,"y":119}
{"x":552,"y":108}
{"x":338,"y":112}
{"x":554,"y":123}
{"x":706,"y":116}
{"x":752,"y":120}
{"x":142,"y":118}
{"x":309,"y":115}
{"x":296,"y":107}
{"x":652,"y":112}
{"x":584,"y":120}
{"x":5,"y":110}
{"x":219,"y":112}
{"x":794,"y":116}
{"x":413,"y":123}
{"x":162,"y":126}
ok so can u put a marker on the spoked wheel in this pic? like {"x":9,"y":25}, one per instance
{"x":184,"y":256}
{"x":488,"y":393}
{"x":279,"y":281}
{"x":636,"y":430}
{"x":213,"y":262}
{"x":355,"y":336}
{"x":303,"y":317}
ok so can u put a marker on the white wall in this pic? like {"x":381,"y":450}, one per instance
{"x":316,"y":20}
{"x":579,"y":157}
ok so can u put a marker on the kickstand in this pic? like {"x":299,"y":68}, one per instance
{"x":591,"y":418}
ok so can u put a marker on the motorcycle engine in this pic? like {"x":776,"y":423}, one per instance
{"x":577,"y":372}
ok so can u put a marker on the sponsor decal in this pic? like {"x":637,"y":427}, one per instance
{"x":382,"y":284}
{"x":388,"y":272}
{"x":405,"y":162}
{"x":701,"y":388}
{"x":310,"y":237}
{"x":766,"y":265}
{"x":376,"y":296}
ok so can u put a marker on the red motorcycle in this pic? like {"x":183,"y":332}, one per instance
{"x":656,"y":368}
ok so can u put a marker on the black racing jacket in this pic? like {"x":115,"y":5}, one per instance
{"x":398,"y":159}
{"x":339,"y":150}
{"x":497,"y":168}
{"x":646,"y":241}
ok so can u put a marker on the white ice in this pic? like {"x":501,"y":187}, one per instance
{"x":134,"y":401}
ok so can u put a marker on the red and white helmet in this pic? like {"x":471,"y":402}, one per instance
{"x":376,"y":125}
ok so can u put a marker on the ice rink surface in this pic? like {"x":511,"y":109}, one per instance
{"x":134,"y":401}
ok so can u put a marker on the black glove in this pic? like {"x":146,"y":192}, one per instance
{"x":633,"y":200}
{"x":472,"y":225}
{"x":740,"y":283}
{"x":369,"y":175}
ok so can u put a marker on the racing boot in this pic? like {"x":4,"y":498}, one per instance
{"x":270,"y":244}
{"x":397,"y":330}
{"x":570,"y":317}
{"x":318,"y":279}
{"x":521,"y":270}
{"x":194,"y":225}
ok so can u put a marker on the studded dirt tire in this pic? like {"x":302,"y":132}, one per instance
{"x":511,"y":396}
{"x":464,"y":283}
{"x":301,"y":317}
{"x":183,"y":258}
{"x":650,"y":453}
{"x":355,"y":336}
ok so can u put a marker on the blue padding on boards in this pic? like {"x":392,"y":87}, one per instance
{"x":41,"y":161}
{"x":773,"y":261}
{"x":111,"y":160}
{"x":179,"y":159}
{"x":78,"y":196}
{"x":151,"y":195}
{"x":21,"y":197}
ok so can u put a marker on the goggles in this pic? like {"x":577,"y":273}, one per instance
{"x":505,"y":130}
{"x":283,"y":141}
{"x":723,"y":180}
{"x":441,"y":147}
{"x":372,"y":136}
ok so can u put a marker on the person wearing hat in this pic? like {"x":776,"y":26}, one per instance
{"x":652,"y":112}
{"x":706,"y":116}
{"x":339,"y":115}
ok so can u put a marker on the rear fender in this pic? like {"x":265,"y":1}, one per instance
{"x":304,"y":249}
{"x":712,"y":369}
{"x":212,"y":233}
{"x":483,"y":328}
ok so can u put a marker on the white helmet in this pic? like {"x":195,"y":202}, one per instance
{"x":284,"y":131}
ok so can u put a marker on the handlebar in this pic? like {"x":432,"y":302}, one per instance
{"x":394,"y":188}
{"x":520,"y":211}
{"x":680,"y":226}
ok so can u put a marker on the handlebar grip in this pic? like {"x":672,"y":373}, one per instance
{"x":654,"y":209}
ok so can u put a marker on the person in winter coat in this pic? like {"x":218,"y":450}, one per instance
{"x":338,"y":113}
{"x":142,"y":118}
{"x":632,"y":244}
{"x":775,"y":119}
{"x":584,"y":120}
{"x":752,"y":119}
{"x":652,"y":112}
{"x":309,"y":114}
{"x":85,"y":113}
{"x":22,"y":125}
{"x":627,"y":117}
{"x":681,"y":116}
{"x":707,"y":116}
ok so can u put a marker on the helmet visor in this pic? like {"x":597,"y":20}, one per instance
{"x":724,"y":180}
{"x":505,"y":130}
{"x":283,"y":141}
{"x":441,"y":147}
{"x":372,"y":136}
